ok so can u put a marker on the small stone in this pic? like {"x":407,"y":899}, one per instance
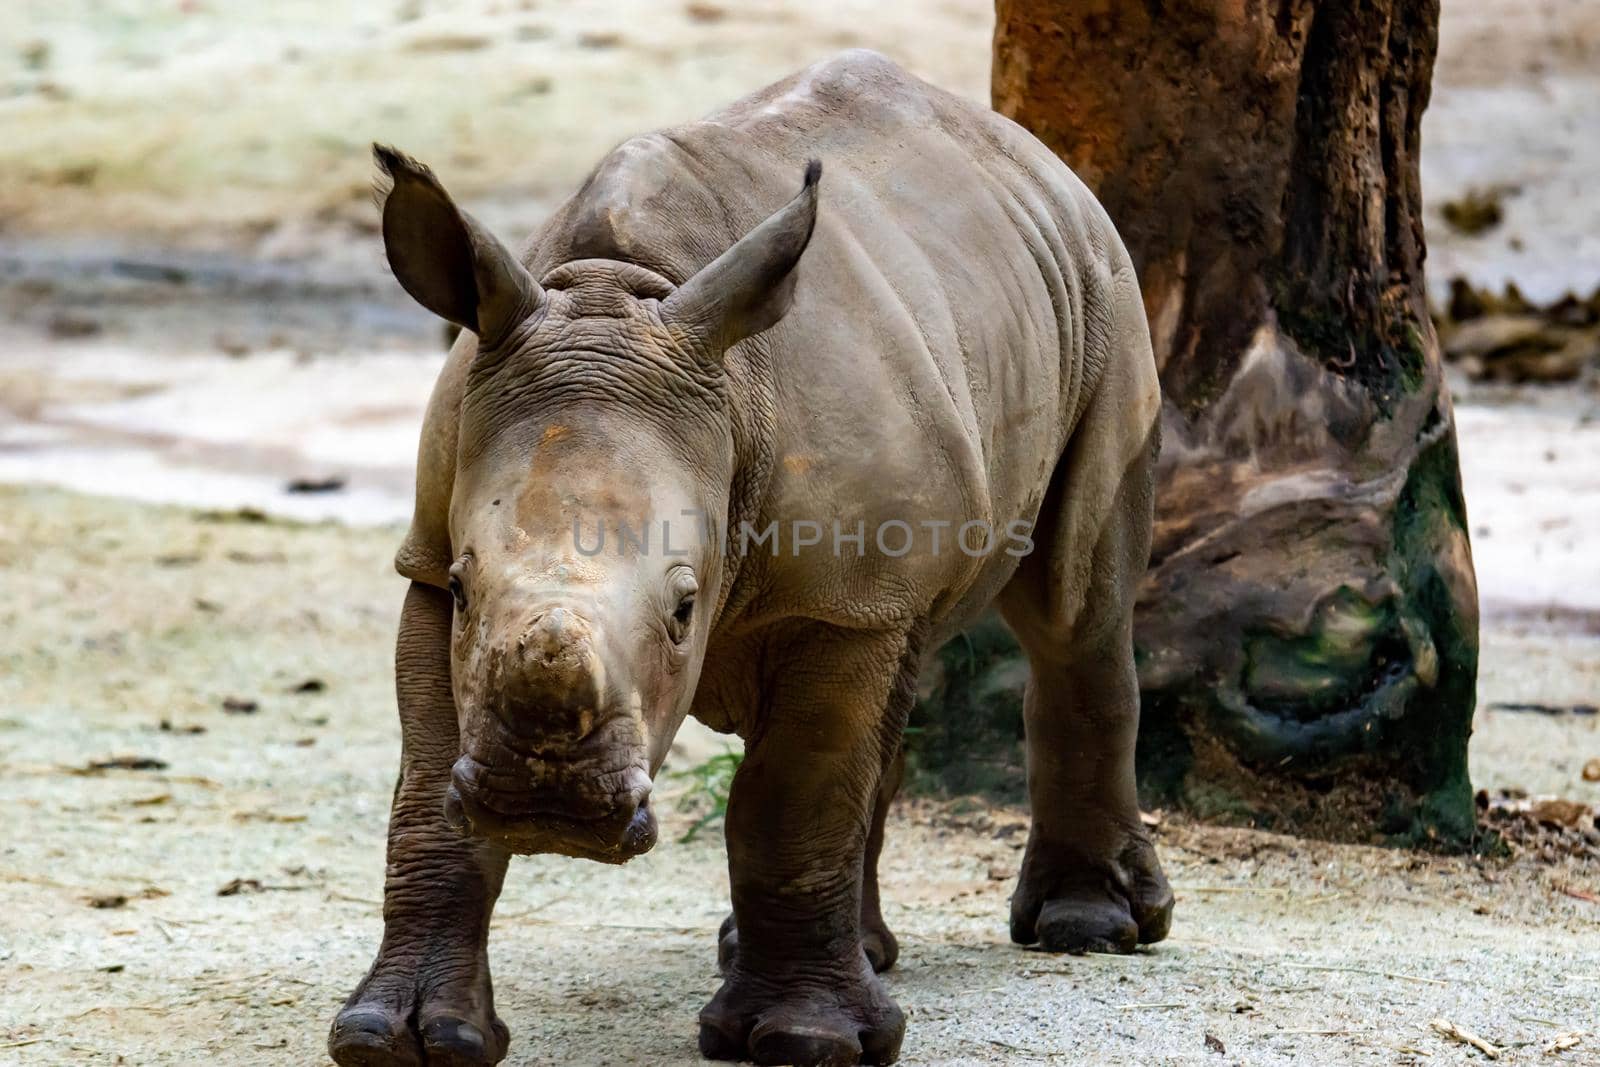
{"x":36,"y":54}
{"x":599,"y":39}
{"x":449,"y":42}
{"x":67,"y":326}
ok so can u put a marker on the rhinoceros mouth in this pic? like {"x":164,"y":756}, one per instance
{"x":529,"y":823}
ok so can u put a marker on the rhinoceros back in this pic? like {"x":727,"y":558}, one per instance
{"x":953,"y":315}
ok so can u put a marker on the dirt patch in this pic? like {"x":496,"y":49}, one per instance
{"x":245,"y":860}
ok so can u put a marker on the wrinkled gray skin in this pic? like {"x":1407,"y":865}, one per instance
{"x":945,"y":329}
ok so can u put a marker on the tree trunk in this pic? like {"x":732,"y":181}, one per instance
{"x":1307,"y":632}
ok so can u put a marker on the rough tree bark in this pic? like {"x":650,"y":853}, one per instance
{"x":1308,"y":628}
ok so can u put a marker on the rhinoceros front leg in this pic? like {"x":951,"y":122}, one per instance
{"x":427,"y":998}
{"x":800,"y":989}
{"x":877,"y":940}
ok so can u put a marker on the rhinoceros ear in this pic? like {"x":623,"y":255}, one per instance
{"x":444,"y":258}
{"x":750,"y":286}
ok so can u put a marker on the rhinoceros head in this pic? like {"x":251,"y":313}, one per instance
{"x":596,"y":451}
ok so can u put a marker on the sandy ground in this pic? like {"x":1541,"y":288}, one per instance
{"x":209,"y":124}
{"x":193,"y":310}
{"x":121,"y":617}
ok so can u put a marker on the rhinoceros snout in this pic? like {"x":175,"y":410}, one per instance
{"x":546,"y":681}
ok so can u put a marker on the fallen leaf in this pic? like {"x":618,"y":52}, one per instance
{"x":109,"y":900}
{"x":1563,"y":1042}
{"x":1591,"y":770}
{"x":1215,"y":1044}
{"x":239,"y":706}
{"x":330,"y":484}
{"x":1559,"y":812}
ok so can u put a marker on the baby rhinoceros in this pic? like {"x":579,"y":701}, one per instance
{"x":714,"y":447}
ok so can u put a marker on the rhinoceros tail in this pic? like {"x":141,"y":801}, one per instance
{"x":813,"y":172}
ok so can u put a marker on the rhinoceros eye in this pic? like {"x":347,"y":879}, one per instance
{"x":686,"y":587}
{"x":680,"y":618}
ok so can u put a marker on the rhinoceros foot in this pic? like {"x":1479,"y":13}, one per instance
{"x":1064,"y":903}
{"x":876,"y":938}
{"x":387,"y":1022}
{"x":805,"y":1022}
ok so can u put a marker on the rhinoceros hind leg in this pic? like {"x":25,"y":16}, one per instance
{"x":1069,"y":902}
{"x":876,"y":938}
{"x":1090,"y":878}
